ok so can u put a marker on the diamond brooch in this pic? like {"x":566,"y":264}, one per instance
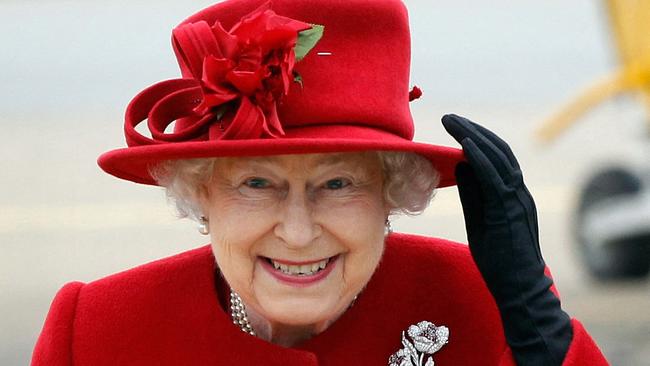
{"x":424,"y":339}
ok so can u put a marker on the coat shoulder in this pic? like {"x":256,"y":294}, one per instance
{"x":53,"y":345}
{"x":170,"y":300}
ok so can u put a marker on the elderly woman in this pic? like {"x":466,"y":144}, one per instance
{"x":291,"y":147}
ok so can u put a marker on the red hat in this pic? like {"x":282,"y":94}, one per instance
{"x":280,"y":77}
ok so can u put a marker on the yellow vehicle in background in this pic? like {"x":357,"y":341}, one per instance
{"x":612,"y":220}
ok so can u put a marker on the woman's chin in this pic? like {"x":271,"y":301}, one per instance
{"x":300,"y":312}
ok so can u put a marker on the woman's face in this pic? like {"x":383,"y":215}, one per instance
{"x":297,"y":236}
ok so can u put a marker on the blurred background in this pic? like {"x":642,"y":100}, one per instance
{"x":69,"y":68}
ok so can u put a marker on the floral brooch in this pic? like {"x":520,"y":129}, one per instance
{"x":426,"y":339}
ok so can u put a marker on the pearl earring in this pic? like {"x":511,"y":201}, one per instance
{"x":203,"y":226}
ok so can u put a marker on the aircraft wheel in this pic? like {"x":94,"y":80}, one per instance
{"x":624,"y":256}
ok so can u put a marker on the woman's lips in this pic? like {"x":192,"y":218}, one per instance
{"x":299,"y":273}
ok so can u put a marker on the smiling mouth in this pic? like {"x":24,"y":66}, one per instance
{"x":300,"y":270}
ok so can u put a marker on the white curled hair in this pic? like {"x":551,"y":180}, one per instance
{"x":410,"y":181}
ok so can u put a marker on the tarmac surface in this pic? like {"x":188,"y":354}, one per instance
{"x":62,"y":219}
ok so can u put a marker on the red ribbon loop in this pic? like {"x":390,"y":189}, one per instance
{"x":139,"y":108}
{"x":174,"y":106}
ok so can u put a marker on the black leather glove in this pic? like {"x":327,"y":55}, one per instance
{"x":501,"y":223}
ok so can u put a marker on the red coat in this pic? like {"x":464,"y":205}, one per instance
{"x":168,"y":313}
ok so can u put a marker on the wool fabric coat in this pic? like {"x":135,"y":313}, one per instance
{"x":171,"y":312}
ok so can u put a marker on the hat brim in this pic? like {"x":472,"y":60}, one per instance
{"x":134,"y":163}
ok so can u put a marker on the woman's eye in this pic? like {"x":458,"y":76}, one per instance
{"x":337,"y":183}
{"x":257,"y":183}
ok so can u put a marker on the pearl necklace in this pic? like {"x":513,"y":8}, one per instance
{"x":238,"y":313}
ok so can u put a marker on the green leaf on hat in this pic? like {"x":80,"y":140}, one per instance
{"x":307,"y":39}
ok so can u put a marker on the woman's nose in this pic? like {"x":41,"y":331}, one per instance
{"x":296,"y":225}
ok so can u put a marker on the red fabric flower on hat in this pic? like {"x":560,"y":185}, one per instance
{"x":245,"y":72}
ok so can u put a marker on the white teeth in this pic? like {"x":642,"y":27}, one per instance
{"x":293,"y":269}
{"x":322,"y":264}
{"x":304,"y":269}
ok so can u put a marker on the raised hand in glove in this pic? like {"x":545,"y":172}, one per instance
{"x":501,"y":223}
